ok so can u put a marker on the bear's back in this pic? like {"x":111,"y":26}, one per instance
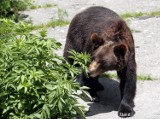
{"x":92,"y":20}
{"x":97,"y":13}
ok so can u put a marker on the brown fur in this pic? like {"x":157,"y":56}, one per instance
{"x":103,"y":34}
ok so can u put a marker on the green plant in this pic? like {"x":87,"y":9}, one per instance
{"x":144,"y":77}
{"x":139,"y":14}
{"x":10,"y":8}
{"x":135,"y":31}
{"x":139,"y":76}
{"x":61,"y":14}
{"x":10,"y":29}
{"x":110,"y":75}
{"x":35,"y":82}
{"x":130,"y":15}
{"x":42,"y":6}
{"x":52,"y":23}
{"x":61,"y":21}
{"x":80,"y":59}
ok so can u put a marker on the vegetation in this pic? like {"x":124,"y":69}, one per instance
{"x":34,"y":81}
{"x":54,"y":22}
{"x":109,"y":75}
{"x":140,"y":14}
{"x":139,"y":76}
{"x":10,"y":8}
{"x":127,"y":17}
{"x":135,"y":31}
{"x":145,"y":77}
{"x":42,"y":6}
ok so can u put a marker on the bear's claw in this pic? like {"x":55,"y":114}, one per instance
{"x":125,"y":111}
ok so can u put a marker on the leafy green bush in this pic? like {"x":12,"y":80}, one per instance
{"x":10,"y":8}
{"x":34,"y":81}
{"x":10,"y":29}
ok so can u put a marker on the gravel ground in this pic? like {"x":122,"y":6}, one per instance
{"x":147,"y":42}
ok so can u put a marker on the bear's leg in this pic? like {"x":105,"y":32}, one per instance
{"x":128,"y":89}
{"x":122,"y":82}
{"x":94,"y":85}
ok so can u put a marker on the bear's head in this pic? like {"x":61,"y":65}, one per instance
{"x":107,"y":55}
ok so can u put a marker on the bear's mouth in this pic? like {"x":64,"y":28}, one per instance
{"x":94,"y":74}
{"x":94,"y":69}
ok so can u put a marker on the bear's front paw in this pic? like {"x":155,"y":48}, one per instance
{"x":95,"y":97}
{"x":125,"y":110}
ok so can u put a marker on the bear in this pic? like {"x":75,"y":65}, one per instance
{"x":104,"y":35}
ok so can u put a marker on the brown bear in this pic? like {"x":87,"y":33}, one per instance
{"x":103,"y":34}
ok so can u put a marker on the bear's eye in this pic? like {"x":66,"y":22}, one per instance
{"x":103,"y":62}
{"x":95,"y":47}
{"x":93,"y":58}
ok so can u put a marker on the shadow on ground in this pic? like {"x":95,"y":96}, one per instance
{"x":109,"y":98}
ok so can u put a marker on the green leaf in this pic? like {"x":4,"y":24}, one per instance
{"x":60,"y":106}
{"x":19,"y":87}
{"x":50,"y":87}
{"x":46,"y":108}
{"x":37,"y":115}
{"x":43,"y":33}
{"x":84,"y":88}
{"x":79,"y":110}
{"x":86,"y":94}
{"x":19,"y":106}
{"x":25,"y":89}
{"x":3,"y":94}
{"x":22,"y":78}
{"x":44,"y":115}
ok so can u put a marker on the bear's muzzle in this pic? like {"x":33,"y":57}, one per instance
{"x":94,"y":69}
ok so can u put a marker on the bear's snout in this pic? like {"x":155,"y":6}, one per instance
{"x":94,"y":69}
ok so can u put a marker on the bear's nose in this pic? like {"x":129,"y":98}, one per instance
{"x":93,"y":67}
{"x":93,"y":72}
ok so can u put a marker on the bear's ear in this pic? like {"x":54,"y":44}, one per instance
{"x":96,"y":39}
{"x":120,"y":51}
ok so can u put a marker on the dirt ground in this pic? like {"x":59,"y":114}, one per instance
{"x":147,"y":40}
